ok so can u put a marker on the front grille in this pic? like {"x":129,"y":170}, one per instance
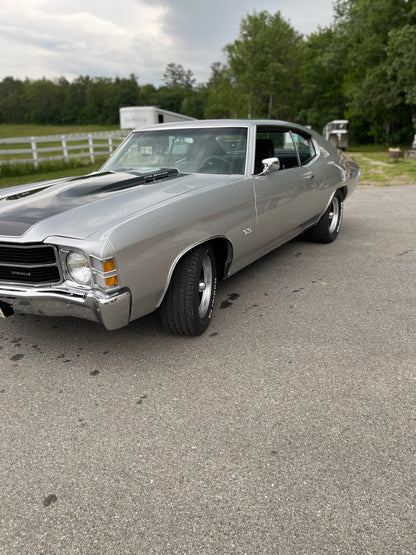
{"x":41,"y":254}
{"x":30,"y":264}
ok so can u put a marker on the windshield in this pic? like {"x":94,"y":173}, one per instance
{"x":210,"y":150}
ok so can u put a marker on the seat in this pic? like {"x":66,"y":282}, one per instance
{"x":264,"y":149}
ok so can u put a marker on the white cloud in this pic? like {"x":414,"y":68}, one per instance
{"x":106,"y":38}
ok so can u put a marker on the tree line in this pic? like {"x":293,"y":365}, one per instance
{"x":362,"y":68}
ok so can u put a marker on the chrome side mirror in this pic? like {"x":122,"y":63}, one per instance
{"x":270,"y":165}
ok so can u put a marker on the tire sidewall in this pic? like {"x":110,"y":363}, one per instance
{"x":180,"y":309}
{"x":321,"y":231}
{"x":332,"y":235}
{"x":202,"y":322}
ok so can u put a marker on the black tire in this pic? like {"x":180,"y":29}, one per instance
{"x":189,"y":301}
{"x":327,"y":229}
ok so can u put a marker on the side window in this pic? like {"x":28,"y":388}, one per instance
{"x":281,"y":145}
{"x":305,"y":148}
{"x":286,"y":151}
{"x":291,"y":147}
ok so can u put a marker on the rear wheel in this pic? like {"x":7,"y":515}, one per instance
{"x":189,"y":301}
{"x":327,"y":229}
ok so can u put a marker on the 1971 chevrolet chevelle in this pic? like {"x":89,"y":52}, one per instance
{"x":174,"y":209}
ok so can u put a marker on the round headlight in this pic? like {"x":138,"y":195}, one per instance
{"x":79,"y":268}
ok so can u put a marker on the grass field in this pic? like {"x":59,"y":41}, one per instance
{"x":19,"y":174}
{"x":378,"y":170}
{"x":43,"y":174}
{"x":9,"y":131}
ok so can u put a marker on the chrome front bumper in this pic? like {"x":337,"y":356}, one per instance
{"x":112,"y":310}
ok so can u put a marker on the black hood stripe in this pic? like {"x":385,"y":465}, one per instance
{"x":19,"y":212}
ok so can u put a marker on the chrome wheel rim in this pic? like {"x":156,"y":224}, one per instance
{"x":333,"y":215}
{"x":205,"y":286}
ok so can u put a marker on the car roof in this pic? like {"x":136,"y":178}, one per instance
{"x":192,"y":124}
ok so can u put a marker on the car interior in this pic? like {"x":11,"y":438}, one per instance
{"x":289,"y":147}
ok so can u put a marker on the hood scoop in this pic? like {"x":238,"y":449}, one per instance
{"x":24,"y":194}
{"x":120,"y":185}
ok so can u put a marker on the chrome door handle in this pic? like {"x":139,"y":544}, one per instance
{"x":311,"y":179}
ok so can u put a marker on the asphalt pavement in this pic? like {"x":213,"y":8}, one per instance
{"x":287,"y":428}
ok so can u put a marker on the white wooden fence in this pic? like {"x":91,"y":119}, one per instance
{"x":34,"y":150}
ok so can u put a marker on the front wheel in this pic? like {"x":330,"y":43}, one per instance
{"x":189,"y":301}
{"x":327,"y":229}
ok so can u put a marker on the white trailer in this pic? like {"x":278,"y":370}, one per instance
{"x":139,"y":116}
{"x":336,"y":132}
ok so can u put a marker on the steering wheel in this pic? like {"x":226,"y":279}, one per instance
{"x":216,"y":162}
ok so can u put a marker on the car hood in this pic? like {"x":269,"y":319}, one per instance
{"x":79,"y":207}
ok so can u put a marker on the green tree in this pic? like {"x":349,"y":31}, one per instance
{"x":97,"y":95}
{"x":322,"y":79}
{"x":221,"y":102}
{"x":74,"y":109}
{"x":364,"y":27}
{"x":179,"y":93}
{"x":263,"y":64}
{"x":401,"y":58}
{"x":43,"y":101}
{"x":175,"y":76}
{"x":147,"y":95}
{"x":194,"y":102}
{"x":120,"y":93}
{"x":11,"y":100}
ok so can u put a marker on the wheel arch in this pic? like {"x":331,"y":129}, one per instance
{"x":344,"y":191}
{"x":223,"y":251}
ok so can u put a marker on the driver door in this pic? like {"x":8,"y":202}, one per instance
{"x":281,"y":196}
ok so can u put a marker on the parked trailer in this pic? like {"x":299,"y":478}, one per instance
{"x":336,"y":132}
{"x":139,"y":116}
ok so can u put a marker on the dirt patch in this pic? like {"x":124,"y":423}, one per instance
{"x":375,"y":162}
{"x":401,"y":180}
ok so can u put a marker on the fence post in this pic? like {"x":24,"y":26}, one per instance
{"x":35,"y":154}
{"x":91,"y":148}
{"x":110,"y":144}
{"x":65,"y":149}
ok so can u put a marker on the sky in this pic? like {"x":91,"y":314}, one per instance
{"x":115,"y":38}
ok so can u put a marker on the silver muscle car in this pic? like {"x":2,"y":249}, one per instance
{"x":175,"y":208}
